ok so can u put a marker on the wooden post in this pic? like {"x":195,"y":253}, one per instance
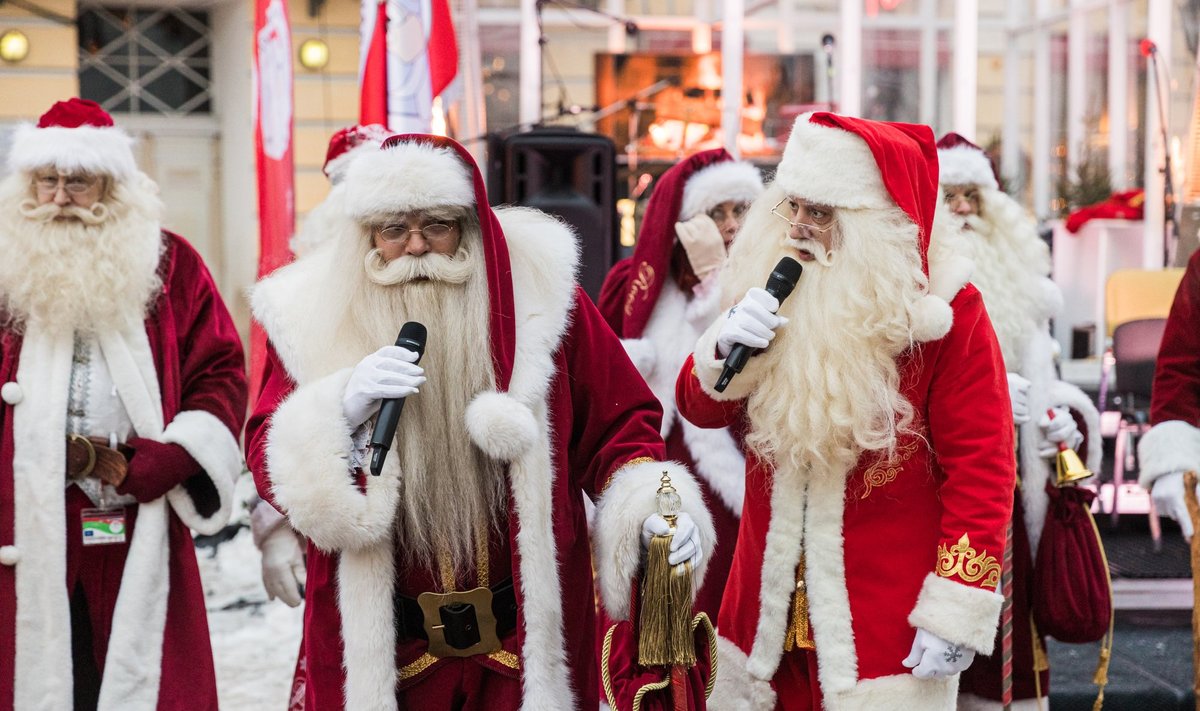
{"x":1193,"y":507}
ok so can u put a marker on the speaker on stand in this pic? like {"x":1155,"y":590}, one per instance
{"x":566,"y":173}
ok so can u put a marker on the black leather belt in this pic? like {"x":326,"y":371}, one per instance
{"x":460,"y":625}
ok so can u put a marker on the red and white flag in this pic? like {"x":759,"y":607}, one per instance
{"x":273,"y":105}
{"x":409,"y":56}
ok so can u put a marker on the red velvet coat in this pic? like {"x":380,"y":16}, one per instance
{"x":182,"y":381}
{"x":1173,"y":444}
{"x":890,"y":545}
{"x":576,"y":418}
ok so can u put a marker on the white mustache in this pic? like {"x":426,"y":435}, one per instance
{"x":823,"y":256}
{"x":94,"y":215}
{"x":454,"y":269}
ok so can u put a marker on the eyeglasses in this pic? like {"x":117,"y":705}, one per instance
{"x":812,"y":211}
{"x":437,"y":233}
{"x":73,"y":184}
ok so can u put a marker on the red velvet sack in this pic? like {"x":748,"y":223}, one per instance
{"x":1072,"y":588}
{"x":628,"y":686}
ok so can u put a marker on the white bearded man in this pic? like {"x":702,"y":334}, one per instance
{"x":1011,"y":268}
{"x":522,"y":400}
{"x":124,"y":389}
{"x":880,"y":465}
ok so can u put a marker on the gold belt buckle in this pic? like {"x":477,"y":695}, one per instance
{"x":481,"y":599}
{"x":91,"y":451}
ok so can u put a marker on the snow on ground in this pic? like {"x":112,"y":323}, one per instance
{"x":254,"y":640}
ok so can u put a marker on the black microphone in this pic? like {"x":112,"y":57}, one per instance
{"x":412,"y":336}
{"x":779,"y":285}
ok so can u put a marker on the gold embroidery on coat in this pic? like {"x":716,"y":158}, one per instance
{"x":422,"y":663}
{"x":631,"y":463}
{"x":885,"y":471}
{"x":641,"y":285}
{"x":506,"y":658}
{"x":965,"y":562}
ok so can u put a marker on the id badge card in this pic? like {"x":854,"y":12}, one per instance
{"x":103,"y":526}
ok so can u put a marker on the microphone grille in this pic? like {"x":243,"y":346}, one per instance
{"x":413,"y":335}
{"x":784,"y":277}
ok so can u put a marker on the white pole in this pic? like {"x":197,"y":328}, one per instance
{"x":1158,"y":30}
{"x":1041,"y":114}
{"x":1010,"y":137}
{"x":966,"y":66}
{"x":471,"y":66}
{"x":702,"y":32}
{"x":616,"y":30}
{"x":927,"y":74}
{"x":850,"y":58}
{"x":529,"y":107}
{"x":1076,"y":85}
{"x":733,"y":42}
{"x":1118,"y":93}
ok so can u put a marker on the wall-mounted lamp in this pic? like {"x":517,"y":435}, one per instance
{"x":14,"y":46}
{"x":314,"y":54}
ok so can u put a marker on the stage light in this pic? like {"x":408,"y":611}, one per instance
{"x":314,"y":54}
{"x":14,"y":46}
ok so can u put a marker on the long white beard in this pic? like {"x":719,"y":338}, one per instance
{"x":452,"y":495}
{"x":1010,"y":261}
{"x":830,"y":385}
{"x":91,"y":270}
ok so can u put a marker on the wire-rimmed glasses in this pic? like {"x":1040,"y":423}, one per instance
{"x":436,"y":233}
{"x":798,"y":225}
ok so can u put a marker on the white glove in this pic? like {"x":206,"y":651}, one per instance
{"x":1060,"y":429}
{"x":1018,"y":393}
{"x":685,"y":544}
{"x":1167,"y":491}
{"x":752,"y":322}
{"x":283,"y":566}
{"x":390,"y":372}
{"x":703,"y":243}
{"x":934,"y":658}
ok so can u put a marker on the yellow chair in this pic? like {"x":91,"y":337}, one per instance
{"x":1136,"y":304}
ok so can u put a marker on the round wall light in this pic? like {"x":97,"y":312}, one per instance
{"x":314,"y":54}
{"x":14,"y":46}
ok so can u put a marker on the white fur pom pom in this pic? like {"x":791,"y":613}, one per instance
{"x":9,"y":555}
{"x":503,"y":427}
{"x":931,"y":318}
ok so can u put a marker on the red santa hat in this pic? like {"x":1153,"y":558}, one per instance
{"x":75,"y":135}
{"x":964,"y":163}
{"x":719,"y":182}
{"x":348,"y":144}
{"x":854,"y":163}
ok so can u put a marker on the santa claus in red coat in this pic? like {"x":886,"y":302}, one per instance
{"x":1011,"y":270}
{"x":662,"y":298}
{"x":880,"y":471}
{"x":1172,"y":446}
{"x":461,"y":577}
{"x":124,"y":390}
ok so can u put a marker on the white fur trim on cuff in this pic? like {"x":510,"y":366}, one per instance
{"x":1171,"y":446}
{"x":736,"y":688}
{"x":897,"y":692}
{"x":627,"y":501}
{"x":958,"y":613}
{"x":308,"y":449}
{"x":964,"y":165}
{"x":216,"y":449}
{"x":407,"y":176}
{"x":641,"y":354}
{"x":720,"y":182}
{"x":709,"y":366}
{"x":502,"y":426}
{"x":92,"y":149}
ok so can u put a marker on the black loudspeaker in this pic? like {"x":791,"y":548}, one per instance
{"x":569,"y":174}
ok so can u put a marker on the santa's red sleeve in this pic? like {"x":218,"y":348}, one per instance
{"x":700,"y":408}
{"x":614,"y":294}
{"x":617,"y":453}
{"x":971,"y":432}
{"x":1173,"y":443}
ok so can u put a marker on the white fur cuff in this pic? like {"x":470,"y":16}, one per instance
{"x":708,"y":368}
{"x":216,"y":449}
{"x":958,"y":613}
{"x":641,"y":354}
{"x":1171,"y":446}
{"x":736,"y":689}
{"x":625,"y":504}
{"x":308,"y":449}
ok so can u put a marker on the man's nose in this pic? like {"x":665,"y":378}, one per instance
{"x":61,"y":198}
{"x":960,"y":205}
{"x":417,"y":245}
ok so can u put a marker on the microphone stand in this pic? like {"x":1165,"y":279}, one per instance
{"x":1170,"y":226}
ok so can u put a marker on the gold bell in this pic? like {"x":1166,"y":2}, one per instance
{"x":1068,"y":466}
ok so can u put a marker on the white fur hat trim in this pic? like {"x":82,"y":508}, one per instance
{"x":710,"y":186}
{"x":964,"y":165}
{"x":502,"y":426}
{"x":831,"y":166}
{"x":406,"y":176}
{"x":97,"y":150}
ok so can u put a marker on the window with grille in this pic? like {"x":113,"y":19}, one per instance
{"x":142,"y":60}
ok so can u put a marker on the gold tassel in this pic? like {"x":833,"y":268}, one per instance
{"x":666,"y":625}
{"x":1041,"y":662}
{"x":798,"y":634}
